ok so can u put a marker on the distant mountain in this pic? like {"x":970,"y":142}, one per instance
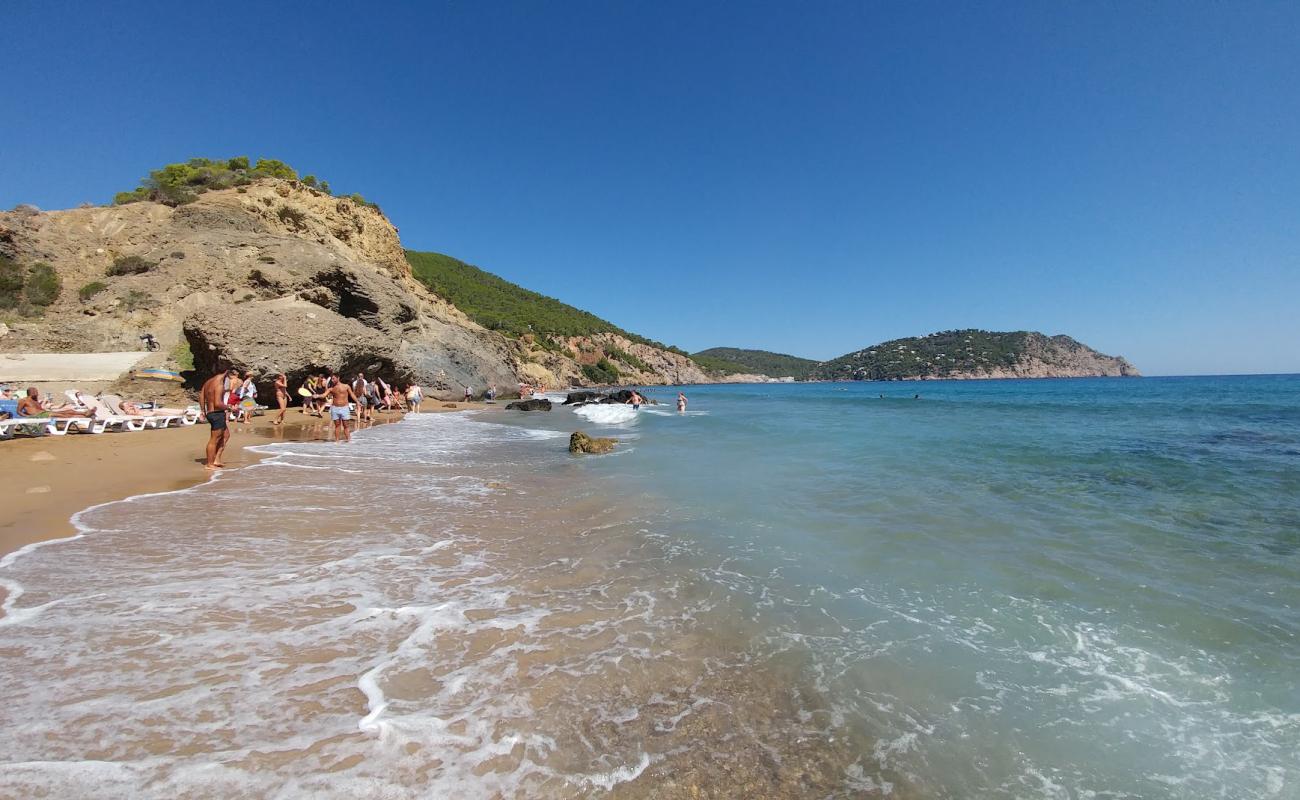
{"x":975,"y":353}
{"x":760,"y":362}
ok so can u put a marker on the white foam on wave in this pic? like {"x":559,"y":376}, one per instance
{"x":607,"y":414}
{"x":239,"y":628}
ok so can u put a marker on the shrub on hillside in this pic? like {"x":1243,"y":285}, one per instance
{"x":28,"y":290}
{"x":11,"y":283}
{"x":182,"y":182}
{"x":90,"y":290}
{"x":601,"y":372}
{"x":43,"y":285}
{"x":130,"y":265}
{"x":137,"y":300}
{"x":292,"y":216}
{"x":183,"y":357}
{"x":627,"y":358}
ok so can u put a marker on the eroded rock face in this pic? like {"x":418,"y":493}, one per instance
{"x":530,"y":405}
{"x":580,"y":442}
{"x":239,"y":275}
{"x":298,"y":340}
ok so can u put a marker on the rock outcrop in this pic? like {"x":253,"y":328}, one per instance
{"x":529,"y":405}
{"x":273,"y":277}
{"x":580,"y":442}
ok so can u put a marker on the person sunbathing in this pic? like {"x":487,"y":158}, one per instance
{"x":136,"y":410}
{"x":31,"y":406}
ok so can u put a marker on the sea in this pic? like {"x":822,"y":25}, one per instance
{"x":1084,"y":588}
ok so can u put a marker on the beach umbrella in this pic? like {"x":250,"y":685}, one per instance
{"x":159,"y":375}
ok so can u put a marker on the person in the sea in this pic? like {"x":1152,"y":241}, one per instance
{"x":339,"y":395}
{"x":31,"y":406}
{"x":214,"y":403}
{"x":281,"y":396}
{"x":636,"y":400}
{"x":681,"y":403}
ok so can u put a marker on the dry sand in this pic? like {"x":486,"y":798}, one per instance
{"x":47,"y":479}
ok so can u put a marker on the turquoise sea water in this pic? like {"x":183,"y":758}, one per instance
{"x":1009,"y":589}
{"x":1060,"y":588}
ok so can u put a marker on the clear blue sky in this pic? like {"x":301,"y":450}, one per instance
{"x":809,"y":178}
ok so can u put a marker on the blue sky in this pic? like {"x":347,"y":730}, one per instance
{"x":808,"y":178}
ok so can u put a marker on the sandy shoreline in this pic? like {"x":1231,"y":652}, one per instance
{"x":48,"y":479}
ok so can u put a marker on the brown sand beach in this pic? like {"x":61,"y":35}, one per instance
{"x":48,"y":479}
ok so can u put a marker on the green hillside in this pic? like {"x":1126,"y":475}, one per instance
{"x":972,"y":353}
{"x":762,"y":362}
{"x":500,"y":305}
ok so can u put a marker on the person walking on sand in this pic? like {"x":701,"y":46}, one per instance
{"x":469,"y":394}
{"x":359,"y":391}
{"x":338,"y":396}
{"x":213,"y":402}
{"x":681,"y":403}
{"x":281,"y":396}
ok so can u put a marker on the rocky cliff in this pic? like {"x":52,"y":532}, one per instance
{"x":275,"y":276}
{"x":973,"y":354}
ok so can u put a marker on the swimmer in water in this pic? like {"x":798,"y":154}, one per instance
{"x":681,"y":403}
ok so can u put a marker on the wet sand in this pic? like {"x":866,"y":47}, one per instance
{"x":47,"y":479}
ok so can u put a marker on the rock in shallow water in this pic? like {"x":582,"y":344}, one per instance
{"x":580,"y":442}
{"x":530,"y":405}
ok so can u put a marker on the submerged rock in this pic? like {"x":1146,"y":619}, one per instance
{"x":580,"y":442}
{"x":530,"y":405}
{"x":578,"y":398}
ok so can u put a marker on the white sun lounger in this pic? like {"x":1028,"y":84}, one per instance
{"x":114,"y":404}
{"x":41,"y":426}
{"x":111,"y":419}
{"x":13,"y":425}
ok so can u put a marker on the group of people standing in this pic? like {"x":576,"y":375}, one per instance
{"x":232,"y":397}
{"x":368,"y":395}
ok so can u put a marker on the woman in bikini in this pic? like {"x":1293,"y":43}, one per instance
{"x":281,"y":396}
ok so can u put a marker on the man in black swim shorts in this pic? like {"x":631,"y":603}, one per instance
{"x":212,"y":401}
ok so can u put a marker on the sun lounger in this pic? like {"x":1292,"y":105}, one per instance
{"x":111,"y":419}
{"x":149,"y":420}
{"x":24,"y":425}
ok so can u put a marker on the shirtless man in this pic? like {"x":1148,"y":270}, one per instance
{"x":30,"y":406}
{"x":339,"y":395}
{"x":213,"y":403}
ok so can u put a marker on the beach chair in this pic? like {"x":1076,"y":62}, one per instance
{"x":114,"y":404}
{"x":29,"y":426}
{"x":15,"y":425}
{"x":110,"y":419}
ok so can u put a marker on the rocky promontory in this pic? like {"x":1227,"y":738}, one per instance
{"x":975,"y":354}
